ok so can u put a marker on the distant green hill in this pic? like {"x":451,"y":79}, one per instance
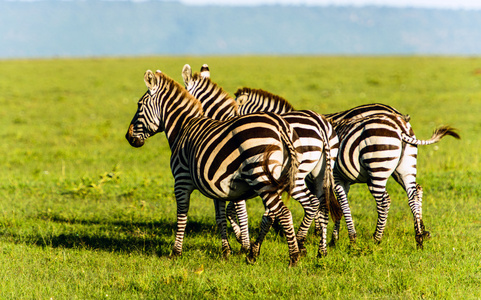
{"x":101,"y":28}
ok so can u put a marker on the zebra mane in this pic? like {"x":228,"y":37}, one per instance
{"x":264,"y":95}
{"x":222,"y":96}
{"x":180,"y":90}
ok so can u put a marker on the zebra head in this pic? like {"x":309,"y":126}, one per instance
{"x":146,"y":121}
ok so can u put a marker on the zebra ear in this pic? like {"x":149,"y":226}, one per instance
{"x":187,"y":74}
{"x":241,"y":99}
{"x":149,"y":79}
{"x":152,"y":80}
{"x":204,"y":71}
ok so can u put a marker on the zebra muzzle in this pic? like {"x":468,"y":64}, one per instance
{"x":133,"y":141}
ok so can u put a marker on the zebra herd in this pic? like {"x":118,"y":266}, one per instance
{"x":232,"y":150}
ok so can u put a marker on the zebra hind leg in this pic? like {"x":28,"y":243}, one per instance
{"x":416,"y":206}
{"x":310,"y":203}
{"x":232,"y":217}
{"x":275,"y":207}
{"x":383,"y":203}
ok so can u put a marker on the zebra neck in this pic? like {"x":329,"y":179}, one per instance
{"x":177,"y":109}
{"x":262,"y":101}
{"x":216,"y":103}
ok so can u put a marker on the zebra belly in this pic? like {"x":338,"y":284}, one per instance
{"x":230,"y":188}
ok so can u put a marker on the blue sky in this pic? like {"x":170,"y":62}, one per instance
{"x":452,"y":4}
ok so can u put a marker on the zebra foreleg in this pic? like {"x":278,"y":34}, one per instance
{"x":232,"y":217}
{"x":182,"y":197}
{"x":323,"y":219}
{"x":335,"y":233}
{"x":239,"y":214}
{"x":222,"y":225}
{"x":318,"y":229}
{"x":255,"y":248}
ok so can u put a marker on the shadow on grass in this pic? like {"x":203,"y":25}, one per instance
{"x":151,"y":238}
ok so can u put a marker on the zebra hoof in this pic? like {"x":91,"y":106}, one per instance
{"x":332,"y":243}
{"x":419,"y":242}
{"x":253,"y":253}
{"x":353,"y":238}
{"x":321,"y":253}
{"x":175,"y":254}
{"x":250,"y":259}
{"x":302,"y":252}
{"x":226,"y":253}
{"x":294,"y":258}
{"x":244,"y":250}
{"x":302,"y":248}
{"x":377,"y":239}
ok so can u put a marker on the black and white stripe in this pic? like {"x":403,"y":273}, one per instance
{"x":317,"y":149}
{"x":232,"y":160}
{"x":376,"y":142}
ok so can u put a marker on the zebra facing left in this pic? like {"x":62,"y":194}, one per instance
{"x":236,"y":159}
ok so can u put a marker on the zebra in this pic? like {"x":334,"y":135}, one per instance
{"x":319,"y":146}
{"x":376,"y":142}
{"x":236,"y":159}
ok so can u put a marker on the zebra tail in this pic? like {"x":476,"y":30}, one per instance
{"x":328,"y":185}
{"x":438,"y":134}
{"x":287,"y":179}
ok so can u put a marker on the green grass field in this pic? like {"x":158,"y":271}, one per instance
{"x":83,"y":215}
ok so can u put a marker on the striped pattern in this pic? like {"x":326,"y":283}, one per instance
{"x":216,"y":103}
{"x":233,"y":160}
{"x":376,"y":142}
{"x":253,"y":100}
{"x":363,"y":111}
{"x":317,"y":150}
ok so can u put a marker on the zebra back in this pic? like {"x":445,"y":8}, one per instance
{"x":398,"y":122}
{"x":394,"y":121}
{"x":362,"y":111}
{"x":216,"y":103}
{"x":254,"y":100}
